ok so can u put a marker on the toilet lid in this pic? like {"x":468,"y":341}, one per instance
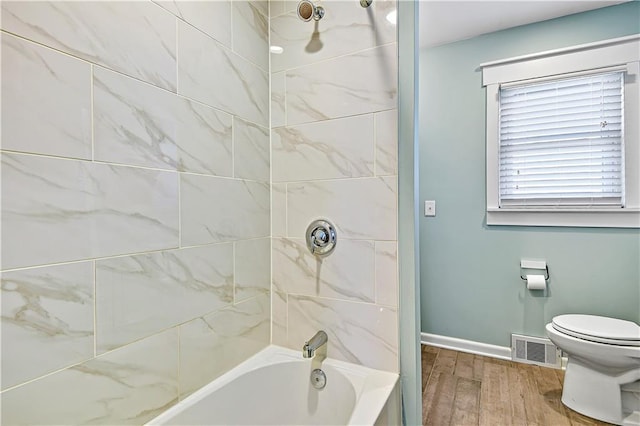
{"x":599,"y":329}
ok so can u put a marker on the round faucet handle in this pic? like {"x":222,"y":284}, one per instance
{"x":321,"y":238}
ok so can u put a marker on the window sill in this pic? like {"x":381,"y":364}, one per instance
{"x":600,"y":218}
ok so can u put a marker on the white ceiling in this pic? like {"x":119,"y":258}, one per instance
{"x":446,"y":21}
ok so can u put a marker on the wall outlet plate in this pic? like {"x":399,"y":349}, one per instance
{"x":430,"y":208}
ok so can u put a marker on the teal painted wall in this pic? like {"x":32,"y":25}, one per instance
{"x":470,"y":282}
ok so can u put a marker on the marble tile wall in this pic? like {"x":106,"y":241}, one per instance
{"x":334,"y":144}
{"x":148,"y":243}
{"x":135,"y":198}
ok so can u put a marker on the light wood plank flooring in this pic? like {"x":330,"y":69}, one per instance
{"x":462,"y":389}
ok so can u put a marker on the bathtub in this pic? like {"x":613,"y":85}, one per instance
{"x":273,"y":388}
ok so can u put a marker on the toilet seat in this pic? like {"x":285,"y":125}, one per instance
{"x":598,"y":329}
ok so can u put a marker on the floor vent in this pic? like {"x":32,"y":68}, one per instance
{"x":535,"y":350}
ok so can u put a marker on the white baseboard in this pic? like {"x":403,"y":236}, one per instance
{"x":461,"y":345}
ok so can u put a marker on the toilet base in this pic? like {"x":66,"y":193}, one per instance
{"x":596,"y":394}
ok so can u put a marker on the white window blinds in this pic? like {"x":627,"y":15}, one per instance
{"x":561,"y":142}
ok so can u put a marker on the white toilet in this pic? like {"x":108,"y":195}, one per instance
{"x":602,"y":380}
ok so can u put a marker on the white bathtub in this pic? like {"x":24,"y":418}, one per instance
{"x":273,"y":388}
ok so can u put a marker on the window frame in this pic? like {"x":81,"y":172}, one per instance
{"x":587,"y":58}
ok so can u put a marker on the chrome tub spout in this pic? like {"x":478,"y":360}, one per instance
{"x":310,"y":347}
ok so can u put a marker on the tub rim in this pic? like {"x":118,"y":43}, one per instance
{"x":373,"y":387}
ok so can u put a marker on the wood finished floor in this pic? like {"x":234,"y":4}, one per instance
{"x":462,"y":389}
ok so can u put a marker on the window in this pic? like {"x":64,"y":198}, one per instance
{"x":563,"y":143}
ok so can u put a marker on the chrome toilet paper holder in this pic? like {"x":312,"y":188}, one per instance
{"x":534,"y":264}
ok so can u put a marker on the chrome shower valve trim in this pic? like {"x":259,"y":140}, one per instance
{"x":321,"y":237}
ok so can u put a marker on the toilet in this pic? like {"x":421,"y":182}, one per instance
{"x":602,"y":380}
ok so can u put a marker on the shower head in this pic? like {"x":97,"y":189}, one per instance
{"x":365,"y":3}
{"x":307,"y":10}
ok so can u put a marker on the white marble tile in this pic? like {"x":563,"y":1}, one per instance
{"x":212,"y":345}
{"x":128,"y":386}
{"x":279,"y":7}
{"x":278,"y":99}
{"x":218,"y":209}
{"x":361,"y":333}
{"x":133,"y":122}
{"x":212,"y":17}
{"x":345,"y":28}
{"x":279,"y":209}
{"x":139,"y":124}
{"x":386,"y":124}
{"x":135,"y":210}
{"x":211,"y":73}
{"x":278,"y":318}
{"x":261,"y":6}
{"x":205,"y":139}
{"x":363,"y":82}
{"x":198,"y":347}
{"x":387,"y":273}
{"x":46,"y":100}
{"x":47,"y":320}
{"x":324,"y":150}
{"x":250,"y":151}
{"x":252,"y":268}
{"x":276,"y":8}
{"x":359,"y":208}
{"x":251,"y":32}
{"x":180,"y":284}
{"x":348,"y":273}
{"x":57,"y":210}
{"x":136,"y":38}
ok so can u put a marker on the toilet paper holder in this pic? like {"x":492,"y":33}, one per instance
{"x":534,"y":264}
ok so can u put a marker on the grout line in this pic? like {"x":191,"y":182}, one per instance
{"x":92,"y":111}
{"x":342,"y":117}
{"x":339,"y":179}
{"x":30,"y":41}
{"x":180,"y":210}
{"x":375,"y":271}
{"x":141,"y":253}
{"x":179,"y":381}
{"x":286,"y":112}
{"x":233,"y":271}
{"x":375,"y":143}
{"x":344,"y":55}
{"x":231,"y":28}
{"x":233,"y":146}
{"x":54,"y":157}
{"x":237,"y":179}
{"x":284,"y":13}
{"x":286,"y":210}
{"x":301,"y":240}
{"x":270,"y":76}
{"x":286,"y":318}
{"x":177,"y":44}
{"x":335,"y":299}
{"x":95,"y":309}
